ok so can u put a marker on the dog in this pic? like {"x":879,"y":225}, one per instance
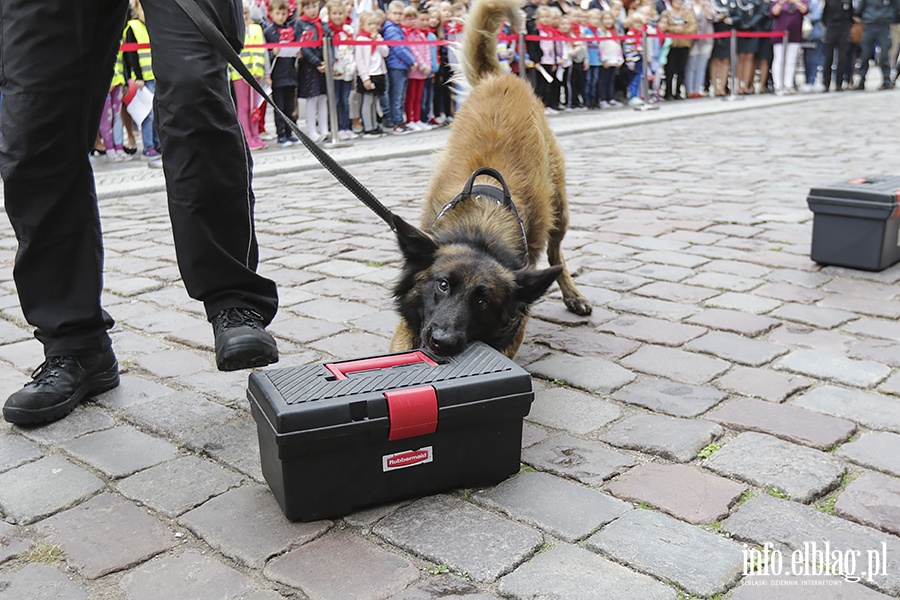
{"x":469,"y":273}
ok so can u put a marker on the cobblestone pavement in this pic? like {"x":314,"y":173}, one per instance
{"x":726,"y":395}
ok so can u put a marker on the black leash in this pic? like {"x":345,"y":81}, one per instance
{"x":217,"y":39}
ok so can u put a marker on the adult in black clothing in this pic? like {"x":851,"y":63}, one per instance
{"x":837,"y":15}
{"x":58,"y":62}
{"x":533,"y":51}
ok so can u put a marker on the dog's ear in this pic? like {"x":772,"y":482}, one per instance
{"x":416,"y":245}
{"x":531,"y":283}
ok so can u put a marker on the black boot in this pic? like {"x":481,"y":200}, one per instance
{"x":59,"y":385}
{"x":242,"y":341}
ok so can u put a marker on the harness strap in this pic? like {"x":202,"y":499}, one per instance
{"x":502,"y":197}
{"x":218,"y":41}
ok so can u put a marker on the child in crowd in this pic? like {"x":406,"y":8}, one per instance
{"x":430,"y":22}
{"x":344,"y":65}
{"x":634,"y":50}
{"x":453,"y":33}
{"x":418,"y":72}
{"x":111,"y":119}
{"x":284,"y":68}
{"x":546,"y":81}
{"x":399,"y":62}
{"x":611,"y":58}
{"x":591,"y":30}
{"x":577,"y":79}
{"x":563,"y":27}
{"x":506,"y":48}
{"x":443,"y":106}
{"x":139,"y":66}
{"x":370,"y":70}
{"x":311,"y":75}
{"x":254,"y":58}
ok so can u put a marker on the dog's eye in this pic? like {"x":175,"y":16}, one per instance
{"x":481,"y":304}
{"x":443,"y":285}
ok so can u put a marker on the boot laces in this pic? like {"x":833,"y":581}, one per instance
{"x":48,"y":371}
{"x":238,"y":317}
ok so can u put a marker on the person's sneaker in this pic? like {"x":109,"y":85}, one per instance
{"x":241,"y":340}
{"x":156,"y":163}
{"x":59,"y":384}
{"x":283,"y":141}
{"x":293,"y":140}
{"x":150,"y":154}
{"x":401,"y":130}
{"x":887,"y":85}
{"x":372,"y":134}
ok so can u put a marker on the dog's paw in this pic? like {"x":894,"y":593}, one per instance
{"x":578,"y":305}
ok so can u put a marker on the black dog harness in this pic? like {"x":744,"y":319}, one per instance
{"x":501,"y":196}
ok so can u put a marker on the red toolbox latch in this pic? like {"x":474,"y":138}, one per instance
{"x":412,"y":411}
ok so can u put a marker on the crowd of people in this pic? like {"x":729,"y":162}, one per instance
{"x":577,"y":56}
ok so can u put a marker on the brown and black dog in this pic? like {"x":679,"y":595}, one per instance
{"x":468,"y":274}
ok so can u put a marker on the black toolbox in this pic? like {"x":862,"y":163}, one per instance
{"x":856,"y":223}
{"x":340,"y":436}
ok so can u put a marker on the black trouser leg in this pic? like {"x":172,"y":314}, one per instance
{"x":57,"y":59}
{"x":206,"y":160}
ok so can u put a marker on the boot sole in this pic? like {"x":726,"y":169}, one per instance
{"x":103,"y":382}
{"x":247,"y":356}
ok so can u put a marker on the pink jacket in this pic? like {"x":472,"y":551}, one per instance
{"x":421,"y":53}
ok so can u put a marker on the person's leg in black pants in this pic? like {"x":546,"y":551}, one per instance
{"x":206,"y":162}
{"x":57,"y":59}
{"x":54,"y":87}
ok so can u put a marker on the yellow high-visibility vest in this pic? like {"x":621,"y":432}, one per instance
{"x":142,"y":37}
{"x":118,"y":77}
{"x":253,"y":58}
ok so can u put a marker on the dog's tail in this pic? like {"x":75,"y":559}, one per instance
{"x":479,"y":44}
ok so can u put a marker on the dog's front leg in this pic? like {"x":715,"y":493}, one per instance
{"x":403,"y":338}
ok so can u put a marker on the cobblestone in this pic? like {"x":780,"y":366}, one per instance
{"x":654,"y":245}
{"x":178,"y":485}
{"x":589,"y":373}
{"x":103,"y":450}
{"x":188,"y":575}
{"x":670,"y":398}
{"x":878,"y":450}
{"x":565,"y":509}
{"x":834,"y":367}
{"x":873,"y":500}
{"x":572,"y":572}
{"x":247,"y":525}
{"x":671,"y":550}
{"x":448,"y":531}
{"x":106,"y":534}
{"x":679,"y":490}
{"x":801,"y":473}
{"x":788,"y":525}
{"x":572,"y":410}
{"x":674,"y":439}
{"x":672,"y":363}
{"x":588,"y":462}
{"x":39,"y":582}
{"x":43,"y":487}
{"x":792,"y":423}
{"x":872,"y":410}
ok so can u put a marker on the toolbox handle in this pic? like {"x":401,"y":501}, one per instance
{"x":340,"y":370}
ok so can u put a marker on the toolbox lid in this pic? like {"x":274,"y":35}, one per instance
{"x":871,"y":197}
{"x":393,"y":392}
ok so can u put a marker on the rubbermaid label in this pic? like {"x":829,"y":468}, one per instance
{"x":407,"y":458}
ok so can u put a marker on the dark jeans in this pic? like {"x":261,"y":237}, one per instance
{"x":284,"y":98}
{"x":837,"y":37}
{"x":607,"y":83}
{"x":396,"y":93}
{"x":876,"y":34}
{"x":56,"y":66}
{"x":675,"y":67}
{"x":592,"y":87}
{"x":342,"y":103}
